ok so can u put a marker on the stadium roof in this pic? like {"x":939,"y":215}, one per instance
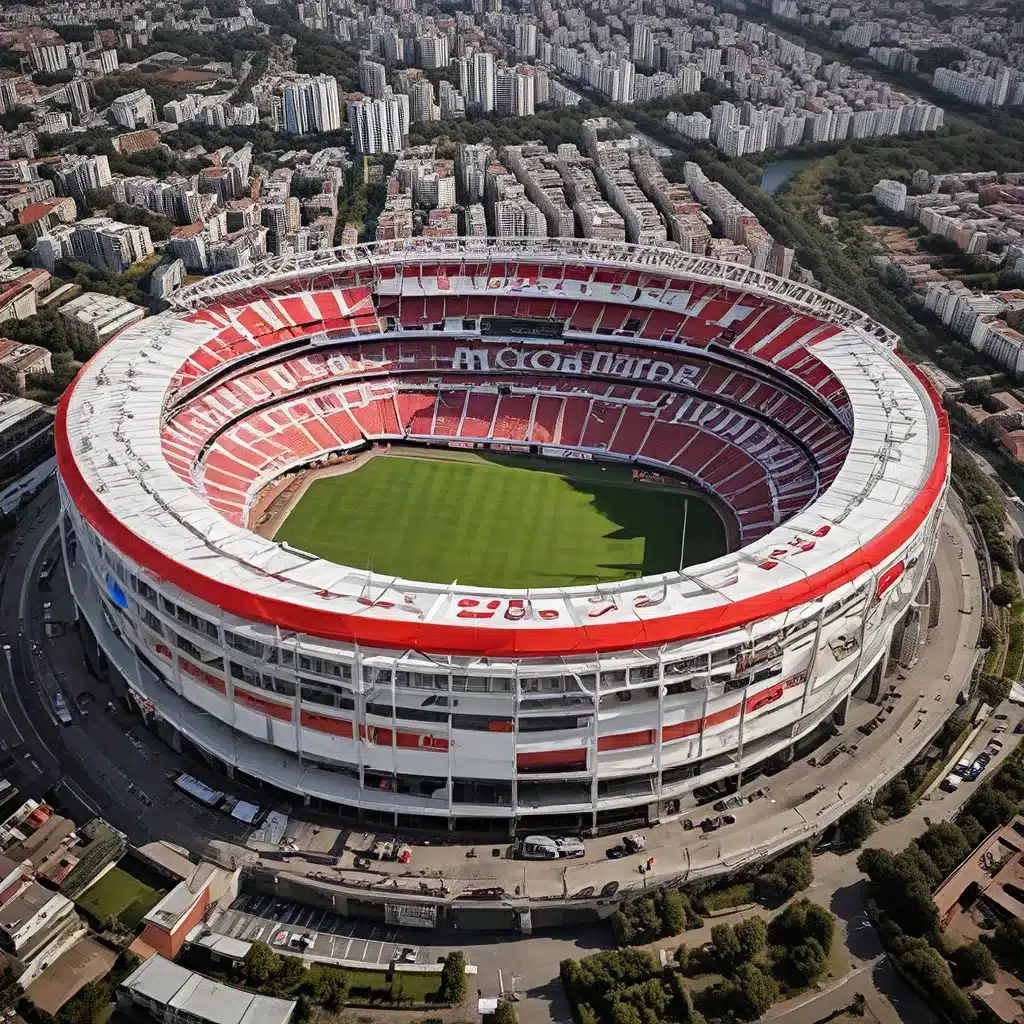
{"x":111,"y":461}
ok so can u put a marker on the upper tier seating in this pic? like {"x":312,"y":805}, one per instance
{"x":758,"y":443}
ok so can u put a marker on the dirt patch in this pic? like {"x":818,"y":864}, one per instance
{"x":83,"y":963}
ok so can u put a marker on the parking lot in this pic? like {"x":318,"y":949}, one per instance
{"x":328,"y":936}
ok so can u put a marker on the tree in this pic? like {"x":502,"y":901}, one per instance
{"x":945,"y":845}
{"x":990,"y":634}
{"x":332,"y":989}
{"x":903,"y":884}
{"x":261,"y":963}
{"x":802,"y":921}
{"x":674,"y":910}
{"x":750,"y":934}
{"x":993,"y":690}
{"x":856,"y":825}
{"x":785,"y":877}
{"x":622,"y":928}
{"x":725,"y":948}
{"x":9,"y":381}
{"x":505,"y":1014}
{"x":681,"y":1007}
{"x":1001,"y":595}
{"x":926,"y":966}
{"x":453,"y":979}
{"x":973,"y":962}
{"x":682,"y":957}
{"x":1008,"y":942}
{"x":10,"y":988}
{"x":289,"y":977}
{"x":303,"y":1009}
{"x":975,"y":391}
{"x":991,"y":807}
{"x":896,"y":796}
{"x":972,"y":829}
{"x":805,"y":962}
{"x":758,"y":990}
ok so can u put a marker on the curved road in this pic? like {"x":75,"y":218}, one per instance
{"x":104,"y":762}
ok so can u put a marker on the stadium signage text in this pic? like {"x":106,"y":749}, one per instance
{"x":585,"y":363}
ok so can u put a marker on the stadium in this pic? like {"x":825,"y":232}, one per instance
{"x":499,"y":534}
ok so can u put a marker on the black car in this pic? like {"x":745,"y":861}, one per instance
{"x":615,"y":852}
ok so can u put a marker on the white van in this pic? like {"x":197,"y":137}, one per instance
{"x":538,"y":848}
{"x":950,"y":782}
{"x":61,"y":707}
{"x":569,"y":847}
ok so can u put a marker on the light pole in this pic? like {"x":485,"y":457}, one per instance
{"x":682,"y":540}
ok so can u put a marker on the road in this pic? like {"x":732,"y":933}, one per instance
{"x":104,"y":762}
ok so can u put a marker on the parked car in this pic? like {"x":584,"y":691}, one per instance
{"x":729,"y":805}
{"x":617,"y":852}
{"x":951,"y":782}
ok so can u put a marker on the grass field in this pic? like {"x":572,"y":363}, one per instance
{"x":416,"y":988}
{"x":501,"y":522}
{"x":118,"y":894}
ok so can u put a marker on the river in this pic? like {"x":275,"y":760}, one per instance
{"x":774,"y":176}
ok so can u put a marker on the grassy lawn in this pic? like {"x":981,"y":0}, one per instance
{"x":118,"y":894}
{"x":417,"y":988}
{"x":492,"y":521}
{"x":838,"y":956}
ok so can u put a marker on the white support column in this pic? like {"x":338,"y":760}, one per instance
{"x":593,"y":750}
{"x":703,"y":715}
{"x":739,"y":743}
{"x":661,"y":725}
{"x":812,"y":666}
{"x":394,"y":739}
{"x":359,"y":712}
{"x":518,"y":696}
{"x":451,"y":744}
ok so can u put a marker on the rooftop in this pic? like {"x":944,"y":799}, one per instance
{"x":37,"y":211}
{"x":180,"y":900}
{"x":94,"y":307}
{"x":18,"y":355}
{"x":13,"y":410}
{"x":196,"y":997}
{"x":995,"y":867}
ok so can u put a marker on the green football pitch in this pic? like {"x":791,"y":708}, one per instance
{"x":501,"y":521}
